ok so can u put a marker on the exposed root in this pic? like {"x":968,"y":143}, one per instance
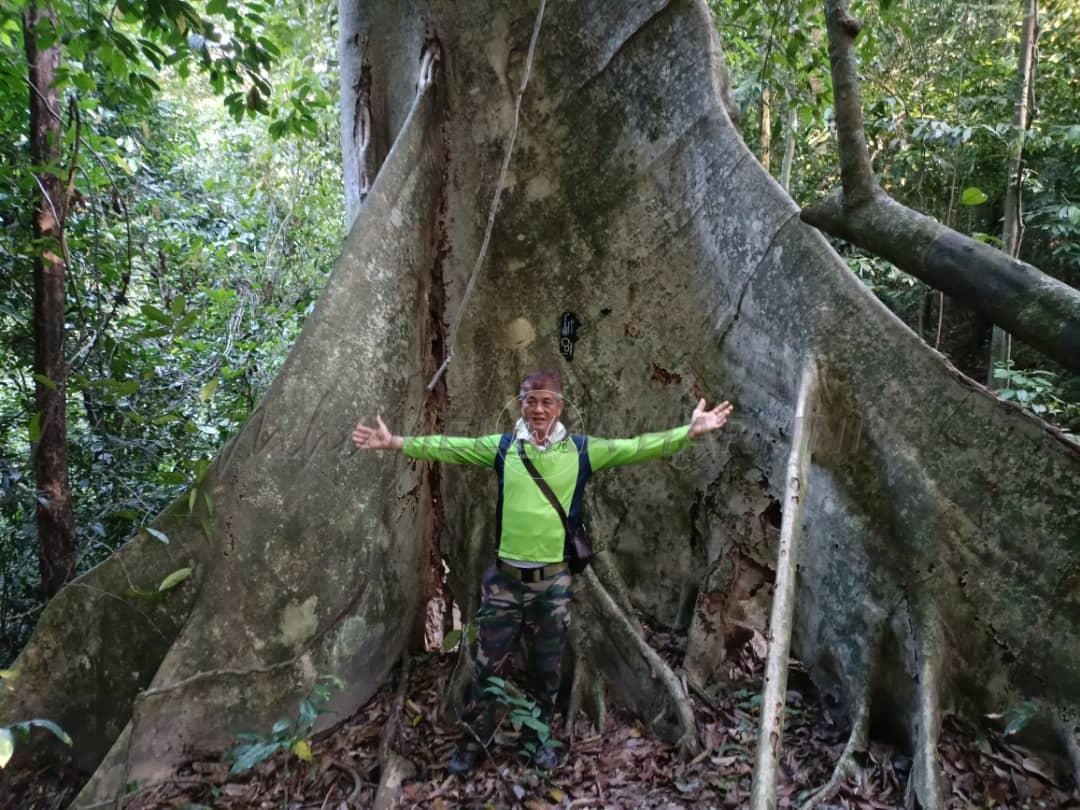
{"x":846,"y":767}
{"x":358,"y":783}
{"x":603,"y":566}
{"x":675,"y":699}
{"x":924,"y":786}
{"x":511,"y":798}
{"x":457,"y":687}
{"x":587,"y":687}
{"x":576,"y":687}
{"x":774,"y":694}
{"x":1068,"y":738}
{"x":395,"y":769}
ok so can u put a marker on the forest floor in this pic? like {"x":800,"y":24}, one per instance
{"x":621,"y":768}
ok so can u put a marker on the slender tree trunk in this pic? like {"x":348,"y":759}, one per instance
{"x":766,"y":128}
{"x":1001,"y":341}
{"x":774,"y":690}
{"x":56,"y":525}
{"x":791,"y":131}
{"x":355,"y":82}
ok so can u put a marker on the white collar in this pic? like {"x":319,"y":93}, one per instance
{"x":555,"y":435}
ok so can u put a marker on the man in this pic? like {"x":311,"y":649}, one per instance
{"x":528,"y":587}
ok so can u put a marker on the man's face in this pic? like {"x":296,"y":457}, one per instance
{"x":541,"y":408}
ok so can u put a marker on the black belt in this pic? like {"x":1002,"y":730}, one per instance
{"x":532,"y":574}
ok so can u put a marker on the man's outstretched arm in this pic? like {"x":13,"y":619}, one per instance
{"x":604,"y":453}
{"x":376,"y":438}
{"x":452,"y":449}
{"x":702,"y":420}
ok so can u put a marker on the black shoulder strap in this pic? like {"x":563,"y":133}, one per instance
{"x":500,"y":470}
{"x":540,"y":482}
{"x":500,"y":454}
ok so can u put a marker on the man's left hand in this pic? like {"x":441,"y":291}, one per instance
{"x":702,"y":420}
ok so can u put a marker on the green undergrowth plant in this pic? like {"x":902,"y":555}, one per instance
{"x":22,"y":730}
{"x":453,"y":638}
{"x":522,"y":712}
{"x":287,"y":734}
{"x":1037,"y":390}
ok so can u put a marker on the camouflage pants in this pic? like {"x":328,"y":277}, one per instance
{"x":508,"y":609}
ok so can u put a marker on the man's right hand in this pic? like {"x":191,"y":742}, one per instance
{"x":376,"y":438}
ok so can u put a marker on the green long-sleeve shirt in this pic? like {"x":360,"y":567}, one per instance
{"x":528,"y":526}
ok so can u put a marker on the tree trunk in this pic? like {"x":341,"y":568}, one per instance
{"x":766,"y":128}
{"x":1000,"y":341}
{"x":791,"y":134}
{"x":55,"y":522}
{"x":632,"y":202}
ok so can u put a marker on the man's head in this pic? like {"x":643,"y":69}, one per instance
{"x":541,"y":401}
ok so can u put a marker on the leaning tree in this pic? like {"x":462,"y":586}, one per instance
{"x":939,"y":567}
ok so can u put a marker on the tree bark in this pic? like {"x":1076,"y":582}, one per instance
{"x":1037,"y":308}
{"x":55,"y":521}
{"x":766,"y":128}
{"x":856,"y":172}
{"x":1000,"y":341}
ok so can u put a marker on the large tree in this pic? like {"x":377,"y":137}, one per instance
{"x":939,"y":558}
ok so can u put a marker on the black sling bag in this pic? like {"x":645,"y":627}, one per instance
{"x":577,"y":548}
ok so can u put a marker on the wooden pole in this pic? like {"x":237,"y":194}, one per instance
{"x":774,"y":692}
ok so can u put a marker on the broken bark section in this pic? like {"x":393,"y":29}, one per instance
{"x":774,"y":694}
{"x":1020,"y":298}
{"x":436,"y":599}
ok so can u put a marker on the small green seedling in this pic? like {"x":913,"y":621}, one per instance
{"x":287,"y":734}
{"x":523,"y":712}
{"x":21,"y":730}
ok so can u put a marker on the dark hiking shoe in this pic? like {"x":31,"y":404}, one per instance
{"x":464,"y":760}
{"x":545,"y":758}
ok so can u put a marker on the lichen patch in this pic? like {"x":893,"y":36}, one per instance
{"x":519,"y":333}
{"x":299,"y":620}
